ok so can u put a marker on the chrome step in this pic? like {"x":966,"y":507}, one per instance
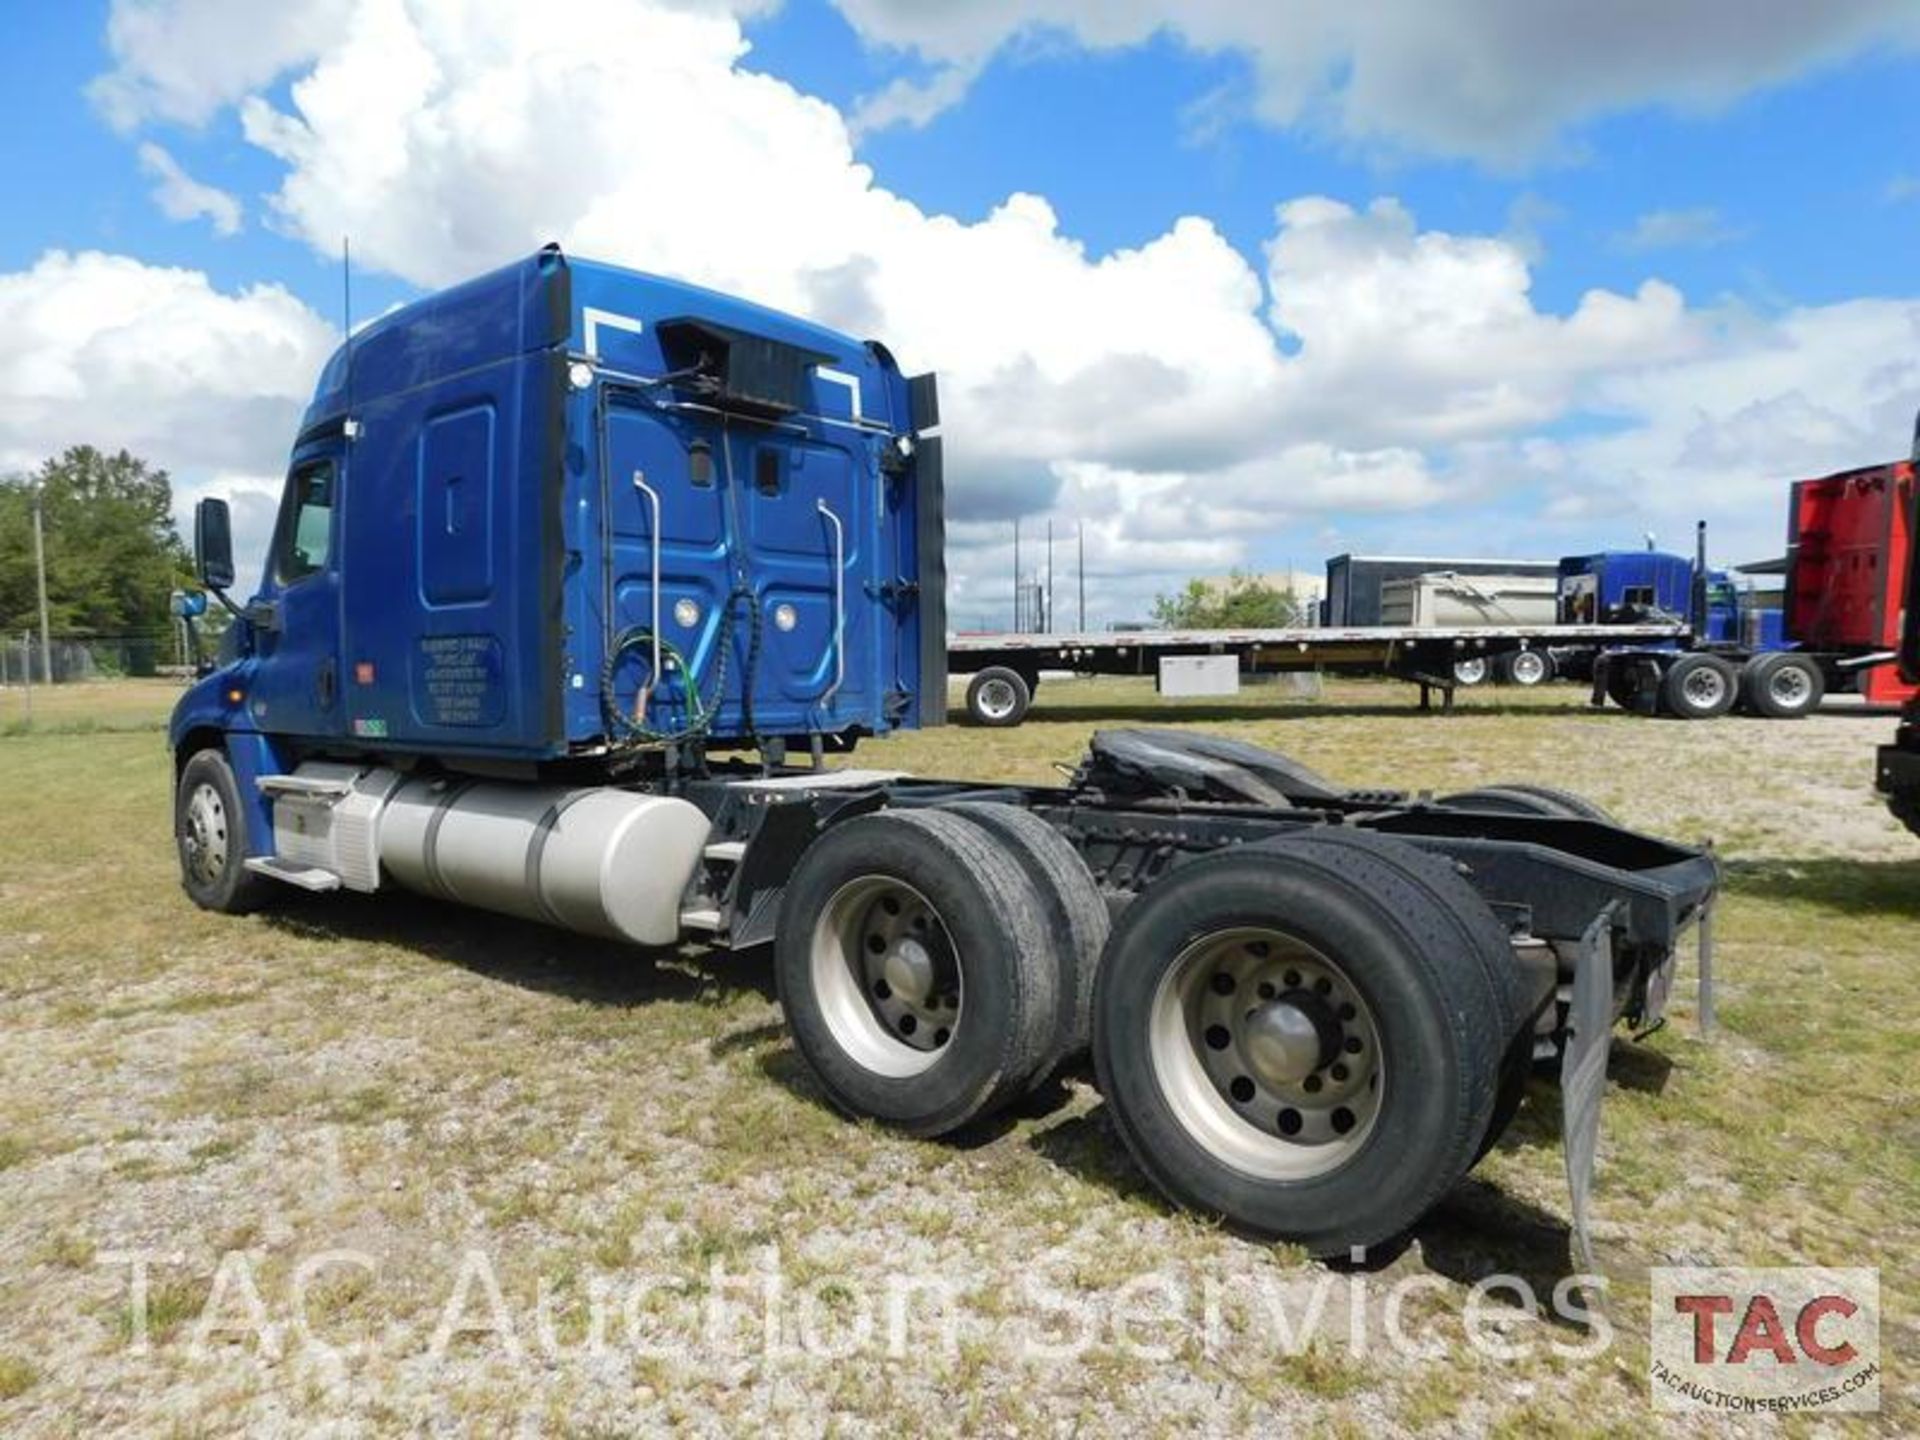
{"x":313,"y":785}
{"x":307,"y":877}
{"x":728,"y":852}
{"x":711,"y":921}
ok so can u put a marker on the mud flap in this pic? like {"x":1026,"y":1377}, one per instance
{"x":1583,"y":1070}
{"x":1707,"y":1019}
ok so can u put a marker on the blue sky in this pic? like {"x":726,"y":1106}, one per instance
{"x":1772,"y":197}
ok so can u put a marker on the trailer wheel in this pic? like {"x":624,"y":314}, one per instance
{"x":1306,"y":1036}
{"x":1526,"y":668}
{"x":998,"y":697}
{"x":914,"y":967}
{"x":1783,"y":686}
{"x":1077,"y":915}
{"x":1699,"y":687}
{"x":1472,"y":671}
{"x":1516,"y":797}
{"x":210,"y":834}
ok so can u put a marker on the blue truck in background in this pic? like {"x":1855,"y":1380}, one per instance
{"x":579,"y":578}
{"x":1635,"y":587}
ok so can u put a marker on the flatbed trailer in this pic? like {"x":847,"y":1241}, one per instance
{"x":1006,"y":667}
{"x":571,"y":560}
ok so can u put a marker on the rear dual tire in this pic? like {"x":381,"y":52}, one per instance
{"x":1076,"y":912}
{"x":917,"y":968}
{"x":1517,"y":797}
{"x":1782,"y":686}
{"x":1699,"y":687}
{"x":1526,"y":668}
{"x":1234,"y":985}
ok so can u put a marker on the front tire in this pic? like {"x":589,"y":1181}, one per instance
{"x":914,"y":964}
{"x":211,"y":837}
{"x":1306,"y":1036}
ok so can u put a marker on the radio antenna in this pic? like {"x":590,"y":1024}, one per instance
{"x":346,"y":315}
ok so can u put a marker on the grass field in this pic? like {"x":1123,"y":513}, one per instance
{"x":350,"y":1118}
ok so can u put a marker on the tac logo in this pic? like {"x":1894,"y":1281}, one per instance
{"x":1765,"y":1341}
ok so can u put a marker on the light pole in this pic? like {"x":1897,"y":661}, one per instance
{"x":40,"y":569}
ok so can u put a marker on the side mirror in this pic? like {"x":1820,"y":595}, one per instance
{"x":213,"y":544}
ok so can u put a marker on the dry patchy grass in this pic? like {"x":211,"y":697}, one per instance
{"x":411,"y":1083}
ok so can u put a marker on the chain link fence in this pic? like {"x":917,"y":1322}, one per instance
{"x":77,"y":658}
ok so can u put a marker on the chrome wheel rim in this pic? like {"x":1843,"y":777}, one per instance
{"x":1529,"y":668}
{"x":1704,"y":687}
{"x":1789,"y":687}
{"x":887,"y":976}
{"x":205,"y":835}
{"x":1267,"y":1054}
{"x":996,"y":699}
{"x":1469,"y":672}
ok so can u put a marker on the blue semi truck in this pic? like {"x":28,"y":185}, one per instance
{"x":579,"y":578}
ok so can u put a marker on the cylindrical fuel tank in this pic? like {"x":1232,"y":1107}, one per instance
{"x":600,"y":861}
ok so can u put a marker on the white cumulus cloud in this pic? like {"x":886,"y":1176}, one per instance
{"x":107,"y":351}
{"x":181,"y":197}
{"x":1189,"y":406}
{"x":1490,"y":79}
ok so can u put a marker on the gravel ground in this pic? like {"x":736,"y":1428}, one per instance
{"x":390,"y":1167}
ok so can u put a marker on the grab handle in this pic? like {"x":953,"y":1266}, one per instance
{"x":653,"y":529}
{"x":839,"y":603}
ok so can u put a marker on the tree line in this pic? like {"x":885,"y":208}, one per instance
{"x":113,"y":554}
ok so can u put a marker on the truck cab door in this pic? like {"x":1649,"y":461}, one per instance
{"x":296,"y":689}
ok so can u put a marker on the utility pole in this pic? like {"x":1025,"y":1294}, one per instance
{"x":1048,"y":627}
{"x":26,"y":655}
{"x":40,"y":566}
{"x":1018,"y":602}
{"x":1081,"y":528}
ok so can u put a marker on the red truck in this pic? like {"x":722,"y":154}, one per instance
{"x":1899,"y":767}
{"x":1847,"y":562}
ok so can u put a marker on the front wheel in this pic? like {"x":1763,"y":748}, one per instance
{"x":210,"y":834}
